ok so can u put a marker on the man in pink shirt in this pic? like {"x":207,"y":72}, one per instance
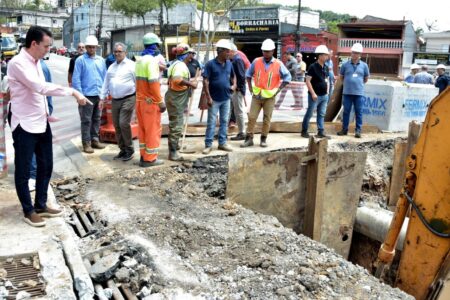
{"x":30,"y":128}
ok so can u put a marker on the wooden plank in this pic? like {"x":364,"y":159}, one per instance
{"x":398,"y":172}
{"x":198,"y":129}
{"x":401,"y":152}
{"x":315,"y":186}
{"x":335,"y":103}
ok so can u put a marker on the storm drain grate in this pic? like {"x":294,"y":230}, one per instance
{"x":21,"y":273}
{"x":83,"y":222}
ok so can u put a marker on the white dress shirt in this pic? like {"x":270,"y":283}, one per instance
{"x":120,"y":80}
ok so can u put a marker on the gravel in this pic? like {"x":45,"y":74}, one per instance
{"x":188,"y":242}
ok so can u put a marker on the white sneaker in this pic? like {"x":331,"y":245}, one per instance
{"x":32,"y":184}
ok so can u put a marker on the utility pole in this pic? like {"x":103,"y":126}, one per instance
{"x":200,"y":31}
{"x":297,"y":36}
{"x":73,"y":25}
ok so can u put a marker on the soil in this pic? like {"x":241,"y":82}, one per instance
{"x":190,"y":243}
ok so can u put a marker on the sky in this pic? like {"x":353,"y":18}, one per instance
{"x":417,"y":11}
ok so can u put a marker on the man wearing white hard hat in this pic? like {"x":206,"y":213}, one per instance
{"x":443,"y":80}
{"x":414,"y":70}
{"x":317,"y":82}
{"x":269,"y":76}
{"x":87,"y":78}
{"x":217,"y":76}
{"x":354,"y":74}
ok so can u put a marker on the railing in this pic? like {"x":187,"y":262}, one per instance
{"x":372,"y":43}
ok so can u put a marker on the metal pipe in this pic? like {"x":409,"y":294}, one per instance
{"x":374,"y":223}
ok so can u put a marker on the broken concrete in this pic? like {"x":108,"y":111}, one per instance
{"x":188,"y":241}
{"x":105,"y":267}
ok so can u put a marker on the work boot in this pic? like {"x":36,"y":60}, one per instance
{"x":120,"y":155}
{"x":239,"y":137}
{"x":248,"y":141}
{"x":225,"y":147}
{"x":263,"y":142}
{"x":97,"y":145}
{"x":49,"y":212}
{"x":147,"y":164}
{"x":127,"y":156}
{"x":174,"y":156}
{"x":207,"y":150}
{"x":87,"y":147}
{"x":34,"y":220}
{"x":342,"y":132}
{"x":358,"y":134}
{"x":322,"y":135}
{"x":304,"y":134}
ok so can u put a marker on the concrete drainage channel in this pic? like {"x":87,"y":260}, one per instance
{"x":169,"y":232}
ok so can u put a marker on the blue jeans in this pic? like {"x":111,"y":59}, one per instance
{"x":223,"y":108}
{"x":25,"y":145}
{"x":357,"y":101}
{"x":321,"y":105}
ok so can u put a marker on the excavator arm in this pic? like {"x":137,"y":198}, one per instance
{"x":426,"y":191}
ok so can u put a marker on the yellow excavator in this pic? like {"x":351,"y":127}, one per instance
{"x":425,"y":260}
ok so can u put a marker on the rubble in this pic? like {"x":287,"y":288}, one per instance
{"x":105,"y":267}
{"x":177,"y":237}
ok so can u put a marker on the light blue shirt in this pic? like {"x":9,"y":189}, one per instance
{"x":409,"y":78}
{"x":284,"y":72}
{"x":354,"y":75}
{"x":423,"y":78}
{"x":89,"y":74}
{"x":329,"y":64}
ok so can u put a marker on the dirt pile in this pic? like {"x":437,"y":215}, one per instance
{"x":194,"y":244}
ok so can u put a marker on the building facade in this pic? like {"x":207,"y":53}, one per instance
{"x":436,"y":50}
{"x":388,"y":45}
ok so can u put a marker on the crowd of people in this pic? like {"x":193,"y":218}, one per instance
{"x":135,"y":85}
{"x":419,"y":74}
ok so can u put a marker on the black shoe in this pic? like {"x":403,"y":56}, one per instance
{"x":358,"y":135}
{"x":322,"y":135}
{"x":147,"y":164}
{"x":342,"y":132}
{"x":304,"y":134}
{"x":127,"y":156}
{"x":120,"y":155}
{"x":174,"y":156}
{"x":238,"y":137}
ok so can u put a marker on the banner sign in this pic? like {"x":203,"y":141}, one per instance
{"x":254,"y":26}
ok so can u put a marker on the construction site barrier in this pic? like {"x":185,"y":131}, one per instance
{"x":294,"y":96}
{"x":107,"y":131}
{"x":391,"y":105}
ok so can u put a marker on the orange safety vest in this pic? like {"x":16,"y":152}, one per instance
{"x":266,"y":82}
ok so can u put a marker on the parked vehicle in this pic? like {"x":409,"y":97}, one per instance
{"x":53,"y":49}
{"x":9,"y":46}
{"x":71,"y":52}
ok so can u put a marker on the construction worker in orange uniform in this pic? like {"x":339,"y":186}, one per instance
{"x":149,"y":102}
{"x":269,"y":77}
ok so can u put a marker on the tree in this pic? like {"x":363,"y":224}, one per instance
{"x":217,"y":10}
{"x":132,"y":8}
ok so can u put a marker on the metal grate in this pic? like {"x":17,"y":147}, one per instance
{"x":19,"y":274}
{"x":83,"y":222}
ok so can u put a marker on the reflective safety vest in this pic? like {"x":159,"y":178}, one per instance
{"x":266,"y":82}
{"x":148,"y":87}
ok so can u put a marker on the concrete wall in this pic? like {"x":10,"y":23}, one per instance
{"x":391,"y":105}
{"x":409,"y":47}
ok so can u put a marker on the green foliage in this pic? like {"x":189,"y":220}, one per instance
{"x":134,"y":7}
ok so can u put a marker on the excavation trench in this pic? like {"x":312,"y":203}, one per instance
{"x":173,"y":233}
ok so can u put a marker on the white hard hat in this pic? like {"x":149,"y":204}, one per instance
{"x":357,"y":47}
{"x":414,"y":67}
{"x":233,"y":47}
{"x":223,"y":43}
{"x":322,"y":49}
{"x":91,"y":41}
{"x":440,"y":66}
{"x":268,"y":45}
